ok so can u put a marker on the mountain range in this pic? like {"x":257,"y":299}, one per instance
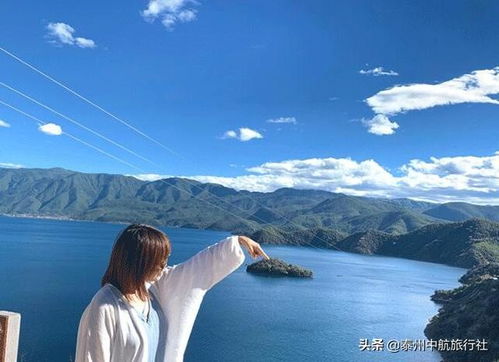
{"x":179,"y":202}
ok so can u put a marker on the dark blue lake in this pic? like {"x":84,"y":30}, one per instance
{"x":49,"y":271}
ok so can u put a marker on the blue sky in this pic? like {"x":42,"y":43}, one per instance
{"x":364,"y":88}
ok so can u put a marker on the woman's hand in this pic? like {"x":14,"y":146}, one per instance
{"x":254,"y":249}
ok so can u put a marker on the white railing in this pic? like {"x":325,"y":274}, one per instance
{"x":10,"y":325}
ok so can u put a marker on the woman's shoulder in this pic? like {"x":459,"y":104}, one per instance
{"x":105,"y":297}
{"x":103,"y":305}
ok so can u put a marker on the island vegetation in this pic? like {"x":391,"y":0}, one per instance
{"x":278,"y":268}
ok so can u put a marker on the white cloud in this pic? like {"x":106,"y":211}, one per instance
{"x":244,"y":135}
{"x":60,"y":34}
{"x":462,"y":178}
{"x":84,"y":43}
{"x":475,"y":87}
{"x":50,"y":129}
{"x":186,"y":15}
{"x":171,"y":12}
{"x":150,"y":176}
{"x":230,"y":134}
{"x":10,"y":165}
{"x":282,"y":120}
{"x":380,"y":125}
{"x":4,"y":124}
{"x":377,"y":72}
{"x":247,"y":134}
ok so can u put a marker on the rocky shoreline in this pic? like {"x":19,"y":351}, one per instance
{"x":469,"y":313}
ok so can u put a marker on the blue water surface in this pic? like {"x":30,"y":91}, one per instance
{"x":50,"y":269}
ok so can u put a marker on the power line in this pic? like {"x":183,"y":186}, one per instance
{"x":134,"y":153}
{"x":68,"y":134}
{"x":76,"y":122}
{"x":141,"y":170}
{"x":77,"y":94}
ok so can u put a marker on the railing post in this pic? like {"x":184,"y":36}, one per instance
{"x":10,"y":324}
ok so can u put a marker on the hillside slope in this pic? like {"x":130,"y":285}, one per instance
{"x":180,"y":202}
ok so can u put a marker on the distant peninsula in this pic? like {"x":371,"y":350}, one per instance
{"x":463,"y":244}
{"x":278,"y":268}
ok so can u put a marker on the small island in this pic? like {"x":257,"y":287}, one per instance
{"x":279,"y":268}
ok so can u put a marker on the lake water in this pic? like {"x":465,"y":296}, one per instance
{"x":49,"y":271}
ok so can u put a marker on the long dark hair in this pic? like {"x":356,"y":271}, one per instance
{"x":138,"y":253}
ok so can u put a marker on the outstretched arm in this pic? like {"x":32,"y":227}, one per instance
{"x":210,"y":265}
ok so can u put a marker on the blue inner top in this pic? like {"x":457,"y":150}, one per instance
{"x":155,"y":327}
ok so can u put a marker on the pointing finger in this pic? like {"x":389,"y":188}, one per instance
{"x":262,"y":253}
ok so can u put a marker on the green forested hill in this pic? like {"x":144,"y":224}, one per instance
{"x":186,"y":203}
{"x":468,"y":313}
{"x":459,"y":211}
{"x":465,"y":244}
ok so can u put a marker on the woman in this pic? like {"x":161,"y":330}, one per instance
{"x":145,"y":310}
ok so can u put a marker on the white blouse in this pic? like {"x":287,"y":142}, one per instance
{"x":111,"y":331}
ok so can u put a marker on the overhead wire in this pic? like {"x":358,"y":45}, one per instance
{"x":125,"y":162}
{"x":187,"y":180}
{"x":67,"y":134}
{"x":115,"y":158}
{"x":160,"y":180}
{"x":284,"y":218}
{"x":85,"y":99}
{"x":72,"y":120}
